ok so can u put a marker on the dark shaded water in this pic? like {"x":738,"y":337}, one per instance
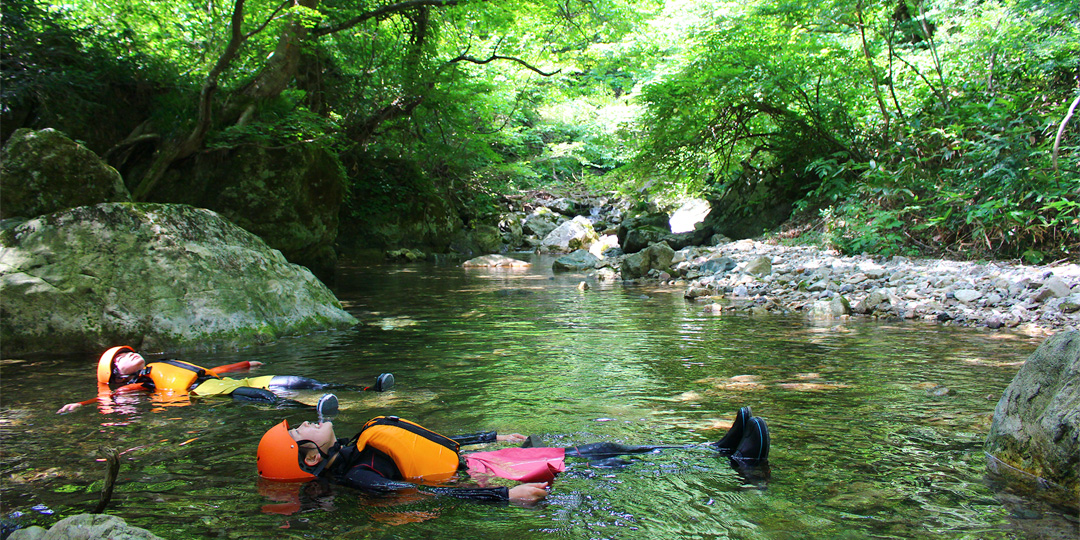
{"x":861,"y":445}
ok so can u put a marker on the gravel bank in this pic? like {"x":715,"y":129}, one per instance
{"x":756,"y":276}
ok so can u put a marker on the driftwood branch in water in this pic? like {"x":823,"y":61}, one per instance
{"x":113,"y":460}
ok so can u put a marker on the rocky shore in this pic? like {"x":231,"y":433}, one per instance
{"x":757,"y":276}
{"x":686,"y":248}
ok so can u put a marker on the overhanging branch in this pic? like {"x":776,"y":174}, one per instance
{"x":464,"y":58}
{"x":381,"y":12}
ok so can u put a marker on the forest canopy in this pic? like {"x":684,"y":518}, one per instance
{"x":891,"y":127}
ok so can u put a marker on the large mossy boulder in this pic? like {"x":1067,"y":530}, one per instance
{"x":289,"y":197}
{"x":1036,"y":426}
{"x":42,"y":172}
{"x":158,"y":277}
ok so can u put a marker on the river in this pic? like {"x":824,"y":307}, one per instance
{"x":877,"y":428}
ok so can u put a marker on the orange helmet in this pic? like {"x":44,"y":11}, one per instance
{"x":278,"y":457}
{"x":104,"y":365}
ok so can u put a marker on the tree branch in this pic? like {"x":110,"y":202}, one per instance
{"x":382,"y":12}
{"x":501,"y":57}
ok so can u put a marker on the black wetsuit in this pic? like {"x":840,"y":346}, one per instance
{"x":374,"y":471}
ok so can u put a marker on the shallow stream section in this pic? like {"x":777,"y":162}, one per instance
{"x":877,"y":427}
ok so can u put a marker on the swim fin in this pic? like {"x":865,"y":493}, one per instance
{"x":327,"y":407}
{"x":729,"y":443}
{"x":384,"y":382}
{"x":754,"y":446}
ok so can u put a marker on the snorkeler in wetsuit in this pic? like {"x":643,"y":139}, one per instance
{"x":127,"y":368}
{"x":391,"y":454}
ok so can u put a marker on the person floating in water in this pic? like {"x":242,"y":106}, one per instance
{"x":391,"y":455}
{"x":172,"y":380}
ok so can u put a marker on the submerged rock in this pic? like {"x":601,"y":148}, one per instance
{"x":86,"y":526}
{"x":1036,"y":425}
{"x":158,"y":277}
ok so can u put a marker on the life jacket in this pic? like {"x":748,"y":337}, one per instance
{"x":419,"y":453}
{"x":175,"y":375}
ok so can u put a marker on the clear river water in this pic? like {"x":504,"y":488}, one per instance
{"x":877,"y":427}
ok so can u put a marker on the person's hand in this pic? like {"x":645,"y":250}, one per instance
{"x":528,"y":493}
{"x":68,"y":408}
{"x":511,"y":437}
{"x":254,"y":363}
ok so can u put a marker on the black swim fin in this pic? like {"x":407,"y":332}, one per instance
{"x":754,"y":446}
{"x":384,"y":382}
{"x":327,"y":407}
{"x":730,"y":442}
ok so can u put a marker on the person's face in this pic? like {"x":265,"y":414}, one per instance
{"x":321,"y":434}
{"x":129,"y":363}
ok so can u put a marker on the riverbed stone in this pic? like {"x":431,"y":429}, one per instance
{"x":493,"y":261}
{"x":717,"y":264}
{"x":1053,"y":287}
{"x":159,"y":277}
{"x":638,"y":232}
{"x":1036,"y":426}
{"x":760,"y":266}
{"x":86,"y":527}
{"x":541,"y":222}
{"x":833,"y":308}
{"x":967,"y":295}
{"x":657,"y":256}
{"x":571,"y":235}
{"x":42,"y":172}
{"x":578,"y":260}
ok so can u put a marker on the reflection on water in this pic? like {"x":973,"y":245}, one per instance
{"x":877,"y":428}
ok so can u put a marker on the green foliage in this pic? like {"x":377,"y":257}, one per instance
{"x":951,"y":152}
{"x":910,"y":126}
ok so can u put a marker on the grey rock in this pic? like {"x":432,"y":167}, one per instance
{"x":636,"y":233}
{"x":967,"y":295}
{"x":494,"y":261}
{"x":1053,"y":287}
{"x":1036,"y":425}
{"x":42,"y":172}
{"x":760,"y":266}
{"x":571,"y":235}
{"x":717,"y":264}
{"x":578,"y":260}
{"x":159,"y":277}
{"x":541,"y":222}
{"x":830,"y":309}
{"x":655,"y":257}
{"x":86,"y":527}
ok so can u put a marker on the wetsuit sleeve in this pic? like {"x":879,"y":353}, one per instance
{"x":134,"y":387}
{"x":476,"y":438}
{"x":229,"y":368}
{"x":373,"y":482}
